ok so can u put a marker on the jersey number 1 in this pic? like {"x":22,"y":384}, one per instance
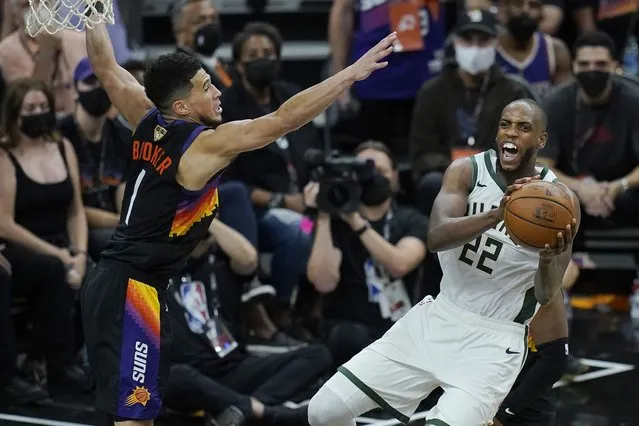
{"x":489,"y":251}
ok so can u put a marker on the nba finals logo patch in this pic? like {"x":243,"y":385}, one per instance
{"x":140,"y":395}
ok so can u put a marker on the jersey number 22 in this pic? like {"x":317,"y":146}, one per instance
{"x":489,"y":251}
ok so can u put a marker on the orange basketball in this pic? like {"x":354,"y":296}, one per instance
{"x":536,"y":212}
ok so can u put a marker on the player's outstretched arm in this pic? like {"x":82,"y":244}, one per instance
{"x":449,"y":227}
{"x":126,"y":94}
{"x":235,"y":137}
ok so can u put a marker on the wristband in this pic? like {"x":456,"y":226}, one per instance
{"x":363,"y":229}
{"x":624,"y":185}
{"x":277,"y":200}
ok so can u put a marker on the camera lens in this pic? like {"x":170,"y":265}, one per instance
{"x":338,"y":195}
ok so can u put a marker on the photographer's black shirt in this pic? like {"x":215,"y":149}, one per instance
{"x":349,"y":301}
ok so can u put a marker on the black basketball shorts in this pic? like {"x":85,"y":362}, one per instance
{"x":127,"y":332}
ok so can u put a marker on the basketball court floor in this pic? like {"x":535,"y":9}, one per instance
{"x":606,"y":395}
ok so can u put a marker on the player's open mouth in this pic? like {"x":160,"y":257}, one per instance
{"x":219,"y":109}
{"x":509,"y":151}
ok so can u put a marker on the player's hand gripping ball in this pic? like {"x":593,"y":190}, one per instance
{"x":536,"y":212}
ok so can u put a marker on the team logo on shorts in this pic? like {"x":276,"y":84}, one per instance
{"x":140,"y":395}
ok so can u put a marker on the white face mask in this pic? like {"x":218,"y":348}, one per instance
{"x":474,"y":59}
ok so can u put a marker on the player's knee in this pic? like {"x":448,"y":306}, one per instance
{"x":327,"y":409}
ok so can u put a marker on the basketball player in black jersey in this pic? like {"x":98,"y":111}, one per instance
{"x":176,"y":159}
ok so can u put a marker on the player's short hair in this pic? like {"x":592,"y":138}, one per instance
{"x":256,"y":28}
{"x":379,"y":147}
{"x":168,"y":78}
{"x":539,"y":111}
{"x":596,"y":39}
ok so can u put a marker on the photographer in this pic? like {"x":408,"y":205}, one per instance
{"x":363,"y":261}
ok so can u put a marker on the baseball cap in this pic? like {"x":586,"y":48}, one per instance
{"x":477,"y":20}
{"x":83,"y":70}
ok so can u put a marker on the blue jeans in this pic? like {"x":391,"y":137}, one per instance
{"x":280,"y":233}
{"x":236,"y":209}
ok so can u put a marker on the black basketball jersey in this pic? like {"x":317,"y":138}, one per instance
{"x":161,"y":222}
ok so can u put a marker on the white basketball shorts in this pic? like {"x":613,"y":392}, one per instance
{"x":473,"y":358}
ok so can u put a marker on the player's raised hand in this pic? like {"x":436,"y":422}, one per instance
{"x":518,"y":183}
{"x":564,"y":240}
{"x":373,"y":59}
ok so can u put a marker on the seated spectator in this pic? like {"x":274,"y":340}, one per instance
{"x":50,"y":58}
{"x":382,"y":103}
{"x":43,"y":222}
{"x":101,"y":147}
{"x":523,"y":50}
{"x":364,"y":262}
{"x":207,"y":337}
{"x":456,"y":113}
{"x":237,"y":212}
{"x":197,"y":29}
{"x":276,"y":173}
{"x":593,"y":135}
{"x":13,"y":388}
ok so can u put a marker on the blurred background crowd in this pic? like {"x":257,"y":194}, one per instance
{"x":280,"y":294}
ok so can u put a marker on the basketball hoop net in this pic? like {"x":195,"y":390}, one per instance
{"x":53,"y":16}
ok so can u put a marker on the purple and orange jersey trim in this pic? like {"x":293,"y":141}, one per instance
{"x":139,"y":396}
{"x":195,"y":207}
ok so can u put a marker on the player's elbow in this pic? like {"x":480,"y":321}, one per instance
{"x":543,"y":295}
{"x":433,"y":242}
{"x":285,"y":120}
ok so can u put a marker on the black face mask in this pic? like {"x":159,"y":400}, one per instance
{"x":376,"y":191}
{"x":207,"y":39}
{"x":261,"y":72}
{"x":37,"y":125}
{"x":593,"y":82}
{"x":96,"y":102}
{"x":522,"y":27}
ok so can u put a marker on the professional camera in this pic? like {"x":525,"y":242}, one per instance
{"x":340,"y":180}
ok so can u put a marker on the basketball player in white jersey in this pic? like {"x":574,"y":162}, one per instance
{"x":471,"y":340}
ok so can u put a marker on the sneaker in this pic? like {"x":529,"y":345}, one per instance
{"x":232,"y":416}
{"x":575,"y":368}
{"x":279,"y":343}
{"x":20,"y":391}
{"x":256,"y":291}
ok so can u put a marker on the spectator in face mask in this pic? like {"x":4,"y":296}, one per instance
{"x":593,"y":135}
{"x":196,"y":26}
{"x":544,"y":61}
{"x":456,"y":113}
{"x":99,"y":144}
{"x":277,"y":173}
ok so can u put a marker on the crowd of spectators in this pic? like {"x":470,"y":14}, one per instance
{"x":275,"y":276}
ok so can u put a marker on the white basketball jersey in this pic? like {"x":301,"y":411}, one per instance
{"x":491,"y":276}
